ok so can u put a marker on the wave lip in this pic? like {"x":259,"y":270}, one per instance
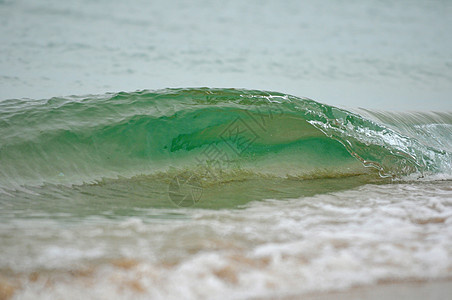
{"x":76,"y":140}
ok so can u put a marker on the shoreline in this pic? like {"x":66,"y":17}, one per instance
{"x":430,"y":289}
{"x":413,"y":289}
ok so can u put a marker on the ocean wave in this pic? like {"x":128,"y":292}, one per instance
{"x":218,"y":133}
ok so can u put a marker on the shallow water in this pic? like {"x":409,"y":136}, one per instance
{"x":202,"y":192}
{"x":365,"y":235}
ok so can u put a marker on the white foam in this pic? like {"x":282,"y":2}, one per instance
{"x":321,"y":243}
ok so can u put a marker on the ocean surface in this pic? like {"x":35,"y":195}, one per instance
{"x":223,"y":150}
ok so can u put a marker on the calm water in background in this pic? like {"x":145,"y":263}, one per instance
{"x":371,"y":54}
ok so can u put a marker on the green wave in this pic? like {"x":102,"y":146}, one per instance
{"x":221,"y":135}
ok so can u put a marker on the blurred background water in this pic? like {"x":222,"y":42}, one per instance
{"x":392,"y":55}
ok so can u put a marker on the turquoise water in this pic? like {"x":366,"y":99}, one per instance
{"x":188,"y":163}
